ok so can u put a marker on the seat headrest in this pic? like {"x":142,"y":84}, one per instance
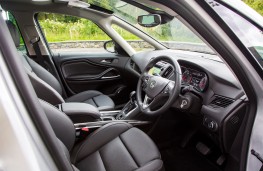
{"x":14,"y":32}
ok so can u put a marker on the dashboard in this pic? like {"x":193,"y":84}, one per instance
{"x":190,"y":77}
{"x":197,"y":79}
{"x":206,"y":73}
{"x":210,"y":80}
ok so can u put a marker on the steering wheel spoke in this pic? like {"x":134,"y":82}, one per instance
{"x":146,"y":102}
{"x":168,"y":90}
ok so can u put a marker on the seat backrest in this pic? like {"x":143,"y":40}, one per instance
{"x":47,"y":87}
{"x":44,"y":75}
{"x":61,"y":124}
{"x":63,"y":128}
{"x":42,"y":89}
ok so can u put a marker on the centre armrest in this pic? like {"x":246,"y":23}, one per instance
{"x":80,"y":112}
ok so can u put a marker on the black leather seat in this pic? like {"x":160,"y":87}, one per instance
{"x":114,"y":147}
{"x":48,"y":87}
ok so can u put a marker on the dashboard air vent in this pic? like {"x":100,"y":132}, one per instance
{"x":134,"y":66}
{"x":168,"y":71}
{"x":220,"y":101}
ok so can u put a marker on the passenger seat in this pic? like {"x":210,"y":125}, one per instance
{"x":48,"y":88}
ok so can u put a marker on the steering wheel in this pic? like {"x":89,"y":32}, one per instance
{"x":157,"y":87}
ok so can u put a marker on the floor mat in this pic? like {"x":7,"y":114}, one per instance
{"x":178,"y":159}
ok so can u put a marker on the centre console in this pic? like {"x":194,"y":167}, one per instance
{"x":127,"y":114}
{"x":129,"y":111}
{"x":87,"y":116}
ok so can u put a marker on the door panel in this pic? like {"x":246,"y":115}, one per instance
{"x":81,"y":75}
{"x":104,"y":72}
{"x":85,"y":71}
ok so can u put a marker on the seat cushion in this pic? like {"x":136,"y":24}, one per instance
{"x":95,"y":98}
{"x":117,"y":147}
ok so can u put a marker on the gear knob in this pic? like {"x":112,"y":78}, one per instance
{"x":133,"y":96}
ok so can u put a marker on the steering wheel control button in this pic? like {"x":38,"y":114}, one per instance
{"x":146,"y":79}
{"x":152,"y":84}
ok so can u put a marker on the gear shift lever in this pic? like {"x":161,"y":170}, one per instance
{"x":128,"y":107}
{"x":132,"y":97}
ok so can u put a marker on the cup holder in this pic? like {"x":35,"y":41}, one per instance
{"x":107,"y":118}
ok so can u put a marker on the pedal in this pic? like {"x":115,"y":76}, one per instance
{"x":203,"y":149}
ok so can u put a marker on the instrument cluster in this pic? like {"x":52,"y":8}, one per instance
{"x":197,"y":79}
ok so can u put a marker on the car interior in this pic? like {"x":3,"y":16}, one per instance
{"x":159,"y":109}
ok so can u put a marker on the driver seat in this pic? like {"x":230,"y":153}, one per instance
{"x":114,"y":147}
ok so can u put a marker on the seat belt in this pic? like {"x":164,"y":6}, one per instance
{"x":40,"y":60}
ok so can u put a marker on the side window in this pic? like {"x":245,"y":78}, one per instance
{"x":136,"y":43}
{"x":248,"y":33}
{"x":8,"y":16}
{"x":72,"y":34}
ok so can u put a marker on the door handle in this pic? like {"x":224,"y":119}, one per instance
{"x":111,"y":77}
{"x":106,"y":61}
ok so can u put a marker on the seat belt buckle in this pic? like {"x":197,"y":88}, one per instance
{"x":85,"y":129}
{"x":82,"y":133}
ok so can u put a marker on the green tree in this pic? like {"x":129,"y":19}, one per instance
{"x":256,"y":5}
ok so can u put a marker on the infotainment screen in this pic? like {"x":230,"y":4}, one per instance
{"x":154,"y":70}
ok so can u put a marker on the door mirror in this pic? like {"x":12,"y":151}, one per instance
{"x":150,"y":20}
{"x":109,"y":46}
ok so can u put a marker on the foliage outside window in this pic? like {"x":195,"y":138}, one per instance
{"x":137,"y":43}
{"x":70,"y":33}
{"x":256,"y":5}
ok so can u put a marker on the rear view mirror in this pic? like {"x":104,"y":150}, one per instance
{"x":150,"y":20}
